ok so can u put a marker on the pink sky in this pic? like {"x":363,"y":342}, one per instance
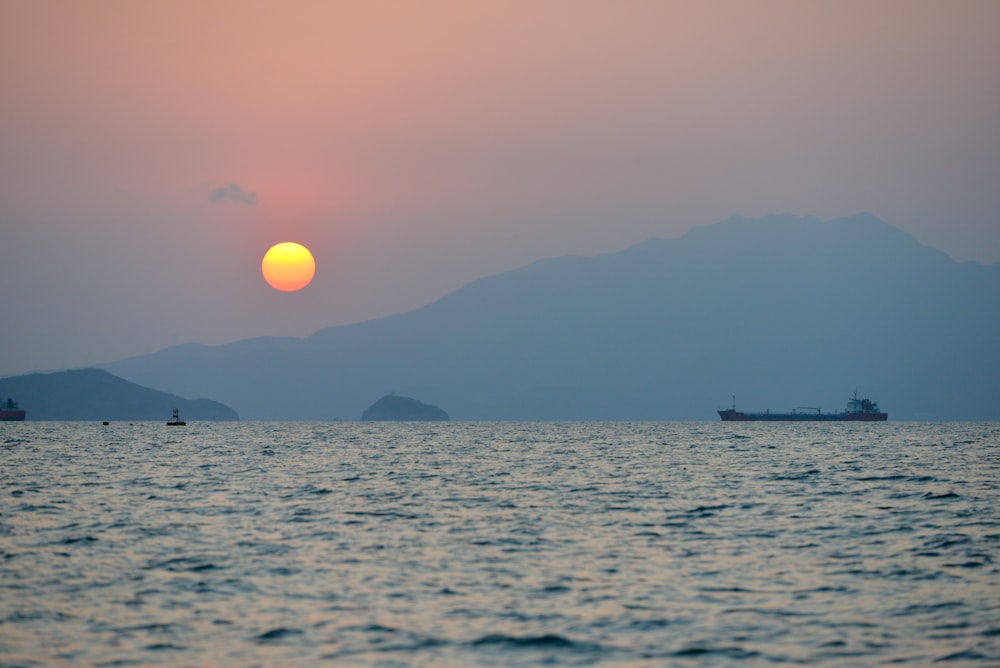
{"x":415,"y":147}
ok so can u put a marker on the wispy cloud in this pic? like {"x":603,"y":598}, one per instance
{"x":235,"y":193}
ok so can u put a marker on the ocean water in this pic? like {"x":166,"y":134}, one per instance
{"x":499,"y":544}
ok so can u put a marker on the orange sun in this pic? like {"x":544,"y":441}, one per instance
{"x":288,"y":266}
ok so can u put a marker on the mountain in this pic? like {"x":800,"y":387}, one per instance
{"x":94,"y":394}
{"x":781,"y":311}
{"x":393,"y":407}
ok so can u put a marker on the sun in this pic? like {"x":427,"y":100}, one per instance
{"x":288,"y":266}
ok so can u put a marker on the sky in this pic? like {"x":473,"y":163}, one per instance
{"x":151,"y":152}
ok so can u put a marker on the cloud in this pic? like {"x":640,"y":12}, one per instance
{"x":234,"y":192}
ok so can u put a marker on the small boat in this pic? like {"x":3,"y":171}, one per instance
{"x":176,"y":420}
{"x":9,"y":412}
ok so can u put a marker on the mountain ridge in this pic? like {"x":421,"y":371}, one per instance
{"x":95,"y":394}
{"x":781,"y":310}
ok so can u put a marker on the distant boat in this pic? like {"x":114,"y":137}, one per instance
{"x":858,"y":410}
{"x":9,"y":412}
{"x":176,"y":421}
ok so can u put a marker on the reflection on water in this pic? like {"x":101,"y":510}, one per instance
{"x":499,"y":544}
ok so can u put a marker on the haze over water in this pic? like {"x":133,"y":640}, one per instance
{"x":501,"y":544}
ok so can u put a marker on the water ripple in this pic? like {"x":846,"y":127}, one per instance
{"x":502,"y":544}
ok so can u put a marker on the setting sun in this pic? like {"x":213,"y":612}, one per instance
{"x":288,"y":266}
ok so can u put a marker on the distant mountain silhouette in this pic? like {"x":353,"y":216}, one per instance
{"x":782,"y":311}
{"x":393,"y":407}
{"x":94,"y":394}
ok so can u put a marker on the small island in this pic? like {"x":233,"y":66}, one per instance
{"x":392,"y":407}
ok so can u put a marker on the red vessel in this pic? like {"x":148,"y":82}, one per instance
{"x":9,"y":412}
{"x":858,"y":410}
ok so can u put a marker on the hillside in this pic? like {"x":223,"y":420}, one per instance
{"x":781,"y":311}
{"x":94,"y":394}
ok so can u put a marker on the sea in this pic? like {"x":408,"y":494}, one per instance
{"x":499,"y":544}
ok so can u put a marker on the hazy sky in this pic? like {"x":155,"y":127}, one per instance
{"x":151,"y":152}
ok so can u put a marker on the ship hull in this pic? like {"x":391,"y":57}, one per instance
{"x":737,"y":416}
{"x":12,"y":416}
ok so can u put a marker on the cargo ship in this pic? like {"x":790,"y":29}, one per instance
{"x":9,"y":412}
{"x":858,"y":410}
